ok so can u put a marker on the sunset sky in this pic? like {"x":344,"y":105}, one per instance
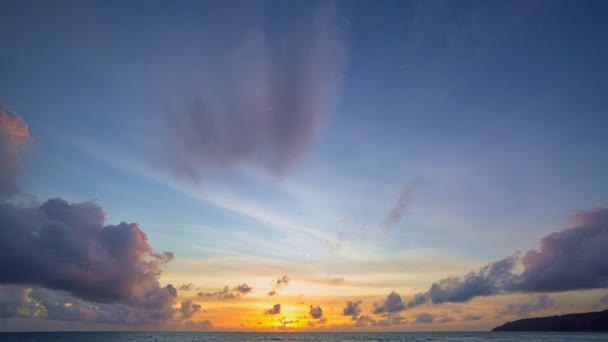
{"x":301,"y":165}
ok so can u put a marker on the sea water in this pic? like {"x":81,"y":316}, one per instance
{"x":320,"y":337}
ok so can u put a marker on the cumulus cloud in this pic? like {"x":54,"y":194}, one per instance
{"x":278,"y":284}
{"x":365,"y":321}
{"x":188,"y":309}
{"x":390,"y":319}
{"x":242,"y":288}
{"x":14,"y":133}
{"x":536,"y":303}
{"x":44,"y":303}
{"x":424,"y":317}
{"x":273,"y":99}
{"x":274,"y":310}
{"x":571,"y":259}
{"x":66,"y":246}
{"x":227,"y":293}
{"x":186,"y":287}
{"x":77,"y":267}
{"x":352,"y":309}
{"x":392,"y":303}
{"x":315,"y":312}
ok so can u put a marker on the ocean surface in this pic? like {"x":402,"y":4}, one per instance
{"x":320,"y":337}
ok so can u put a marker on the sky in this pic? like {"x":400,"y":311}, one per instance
{"x":301,"y":165}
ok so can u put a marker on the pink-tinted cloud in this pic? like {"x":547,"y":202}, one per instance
{"x":106,"y":273}
{"x":14,"y":133}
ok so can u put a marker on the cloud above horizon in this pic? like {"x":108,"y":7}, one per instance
{"x":273,"y":102}
{"x":65,"y":253}
{"x":353,"y":308}
{"x":227,"y":293}
{"x":575,"y":258}
{"x":274,"y":310}
{"x":277,"y":284}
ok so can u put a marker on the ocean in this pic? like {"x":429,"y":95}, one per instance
{"x":319,"y":337}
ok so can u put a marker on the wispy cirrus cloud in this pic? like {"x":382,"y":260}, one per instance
{"x":273,"y":102}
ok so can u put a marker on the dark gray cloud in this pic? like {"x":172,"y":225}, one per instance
{"x":242,"y":288}
{"x":274,"y":310}
{"x":65,"y":246}
{"x":390,"y":319}
{"x":352,"y":309}
{"x":50,"y":304}
{"x":571,"y":259}
{"x":472,"y":317}
{"x":263,"y":104}
{"x":315,"y":312}
{"x":14,"y":133}
{"x":385,"y":320}
{"x":188,"y":309}
{"x":424,"y":317}
{"x":536,"y":303}
{"x":186,"y":287}
{"x":365,"y":321}
{"x":227,"y":293}
{"x":417,"y":299}
{"x":490,"y":279}
{"x":67,"y":264}
{"x":392,"y":303}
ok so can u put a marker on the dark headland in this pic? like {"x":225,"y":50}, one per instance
{"x":590,"y":321}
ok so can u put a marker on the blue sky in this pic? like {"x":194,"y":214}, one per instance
{"x":492,"y":114}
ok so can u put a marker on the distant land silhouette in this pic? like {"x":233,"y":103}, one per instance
{"x":590,"y":321}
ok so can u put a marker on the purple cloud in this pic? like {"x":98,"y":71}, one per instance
{"x":188,"y":309}
{"x":571,"y":259}
{"x":392,"y":303}
{"x":424,"y":317}
{"x":272,"y":103}
{"x":352,"y":309}
{"x":78,"y":267}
